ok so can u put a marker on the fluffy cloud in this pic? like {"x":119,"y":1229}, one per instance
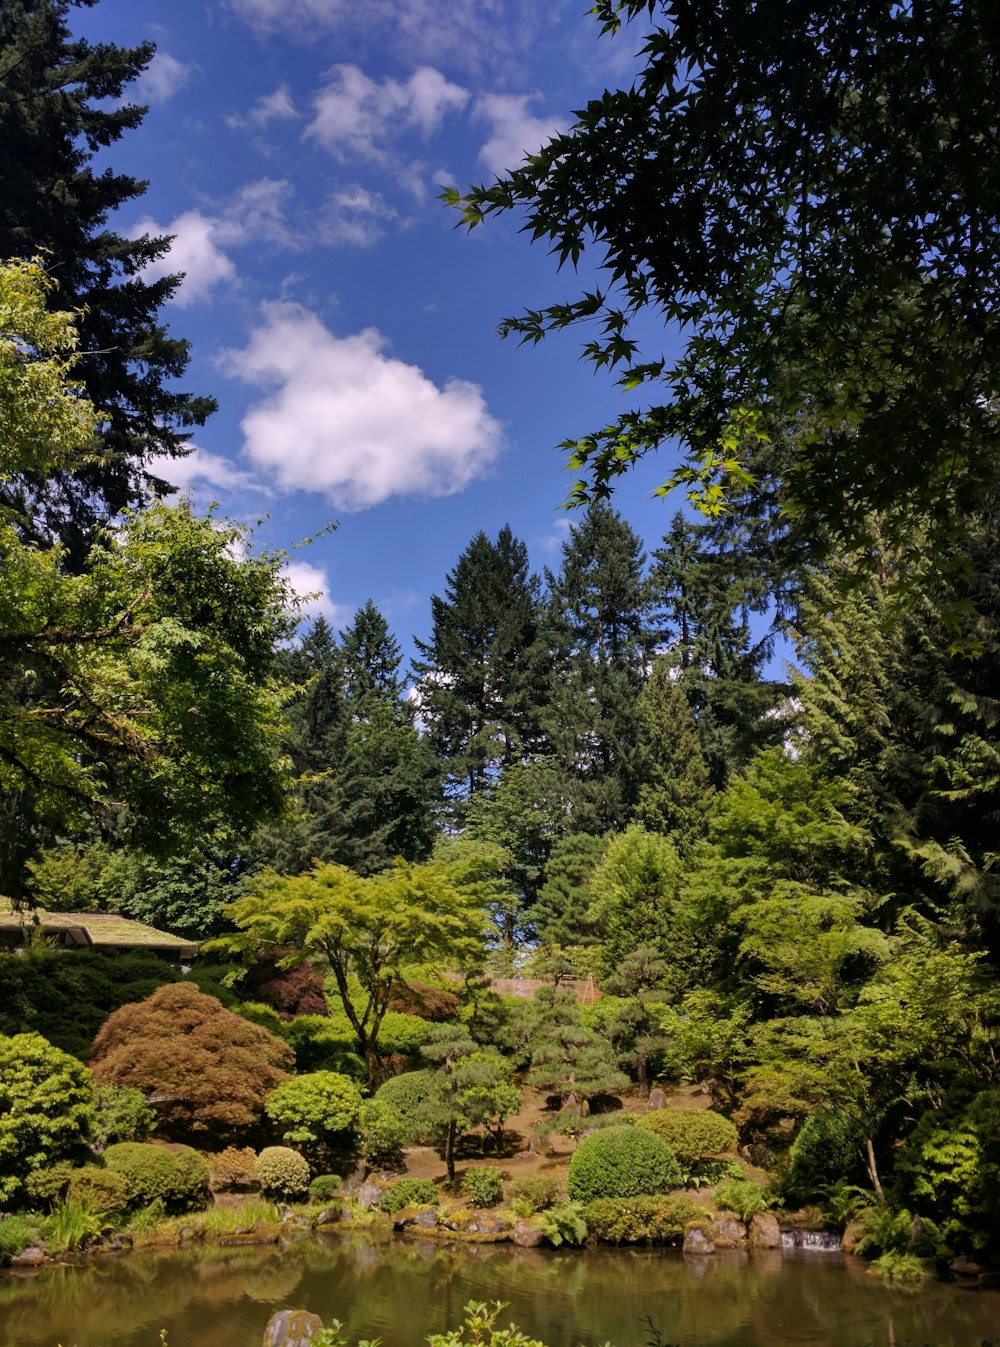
{"x":201,"y":467}
{"x":311,"y":585}
{"x":344,"y":418}
{"x":194,"y":251}
{"x":276,"y":107}
{"x":357,"y":117}
{"x":161,"y":79}
{"x":515,"y":131}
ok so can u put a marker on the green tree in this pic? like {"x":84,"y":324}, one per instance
{"x":602,"y":646}
{"x":46,"y":1109}
{"x":797,"y":192}
{"x":562,"y":913}
{"x":62,"y":101}
{"x":635,"y":1029}
{"x":567,"y":1058}
{"x":635,"y":892}
{"x":675,"y":789}
{"x":367,"y":931}
{"x":467,"y":1088}
{"x":314,"y":1111}
{"x":483,"y":670}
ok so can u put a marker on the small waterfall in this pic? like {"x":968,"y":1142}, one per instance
{"x":815,"y":1241}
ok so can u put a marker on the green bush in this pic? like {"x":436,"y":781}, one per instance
{"x":622,"y":1162}
{"x":315,"y":1110}
{"x":384,"y":1130}
{"x":259,"y":1013}
{"x":324,"y":1186}
{"x":742,"y":1197}
{"x":282,"y":1172}
{"x":693,"y":1134}
{"x":233,"y":1169}
{"x":177,"y":1177}
{"x":534,"y":1192}
{"x":900,"y":1267}
{"x":47,"y":1186}
{"x":407,"y":1093}
{"x":324,"y":1043}
{"x":46,"y":1109}
{"x":121,"y":1114}
{"x":16,"y":1233}
{"x":72,"y":1226}
{"x":483,"y":1185}
{"x":101,"y":1190}
{"x":408,"y":1193}
{"x":826,"y":1149}
{"x":640,"y":1220}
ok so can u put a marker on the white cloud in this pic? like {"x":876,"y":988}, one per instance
{"x":345,"y":419}
{"x":357,"y":117}
{"x":276,"y":107}
{"x":258,"y":214}
{"x":194,"y":251}
{"x":161,"y":79}
{"x":515,"y":131}
{"x":202,"y":466}
{"x":304,"y":579}
{"x":355,"y":215}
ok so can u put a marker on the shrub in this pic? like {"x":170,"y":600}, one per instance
{"x":47,"y":1186}
{"x":899,"y":1267}
{"x":384,"y":1130}
{"x":324,"y":1186}
{"x":16,"y":1233}
{"x":564,"y":1224}
{"x":693,"y":1134}
{"x":826,"y":1149}
{"x":742,"y":1197}
{"x":408,"y":1193}
{"x":101,"y":1190}
{"x":211,"y":1069}
{"x":325,"y":1043}
{"x":258,"y":1013}
{"x":534,"y":1192}
{"x":622,"y":1162}
{"x":121,"y":1114}
{"x":178,"y":1177}
{"x":483,"y":1185}
{"x":46,"y":1109}
{"x":640,"y":1220}
{"x":289,"y":991}
{"x":314,"y":1110}
{"x":407,"y":1094}
{"x":233,"y":1169}
{"x":282,"y":1172}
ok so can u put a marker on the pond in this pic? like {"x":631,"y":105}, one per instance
{"x":403,"y":1290}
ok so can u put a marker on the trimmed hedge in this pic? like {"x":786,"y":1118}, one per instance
{"x":282,"y":1172}
{"x":640,"y":1220}
{"x":178,"y":1177}
{"x":692,"y":1134}
{"x":622,"y":1162}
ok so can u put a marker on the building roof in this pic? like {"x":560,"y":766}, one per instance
{"x":98,"y":930}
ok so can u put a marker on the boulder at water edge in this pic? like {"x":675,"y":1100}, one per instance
{"x":696,"y":1239}
{"x":292,"y":1328}
{"x":765,"y":1232}
{"x":727,"y":1233}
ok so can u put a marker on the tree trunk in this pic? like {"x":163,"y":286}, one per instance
{"x":872,"y":1168}
{"x":449,"y":1150}
{"x":642,"y":1071}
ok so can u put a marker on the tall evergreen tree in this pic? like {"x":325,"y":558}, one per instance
{"x":370,"y":657}
{"x":482,"y":671}
{"x":703,"y":596}
{"x":675,"y":789}
{"x":600,"y":617}
{"x":61,"y":101}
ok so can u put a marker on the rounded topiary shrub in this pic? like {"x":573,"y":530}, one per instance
{"x":483,"y":1185}
{"x":384,"y":1130}
{"x":324,"y":1186}
{"x":282,"y":1172}
{"x":622,"y":1162}
{"x":407,"y":1093}
{"x":177,"y":1177}
{"x":102,"y":1190}
{"x":691,"y":1133}
{"x":233,"y":1169}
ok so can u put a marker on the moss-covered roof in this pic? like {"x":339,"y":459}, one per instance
{"x":101,"y":929}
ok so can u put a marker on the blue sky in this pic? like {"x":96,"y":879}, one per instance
{"x":296,"y":148}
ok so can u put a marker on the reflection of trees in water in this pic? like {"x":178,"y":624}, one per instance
{"x":403,"y":1291}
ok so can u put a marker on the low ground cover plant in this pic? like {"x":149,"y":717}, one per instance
{"x":408,"y":1193}
{"x":741,"y":1196}
{"x":534,"y":1192}
{"x":483,"y":1185}
{"x":640,"y":1220}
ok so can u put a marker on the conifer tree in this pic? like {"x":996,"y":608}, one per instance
{"x":567,"y":1058}
{"x":483,"y":668}
{"x":61,"y":101}
{"x":561,"y":916}
{"x":675,"y":790}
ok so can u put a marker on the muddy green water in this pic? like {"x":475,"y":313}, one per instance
{"x":402,"y":1291}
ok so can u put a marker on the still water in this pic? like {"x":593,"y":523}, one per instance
{"x":403,"y":1290}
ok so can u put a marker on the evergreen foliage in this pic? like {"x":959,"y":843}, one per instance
{"x":621,"y":1162}
{"x":46,"y":1109}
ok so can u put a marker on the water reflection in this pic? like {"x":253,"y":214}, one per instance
{"x":403,"y":1291}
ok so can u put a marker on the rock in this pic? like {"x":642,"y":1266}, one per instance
{"x":32,"y":1256}
{"x":426,"y":1219}
{"x":764,"y":1232}
{"x":758,"y":1155}
{"x":292,"y":1328}
{"x":696,"y":1240}
{"x":728,"y":1233}
{"x":328,"y":1216}
{"x":488,"y":1225}
{"x":539,"y":1145}
{"x":657,"y":1099}
{"x":528,"y":1236}
{"x":369,"y":1196}
{"x":285,"y":1211}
